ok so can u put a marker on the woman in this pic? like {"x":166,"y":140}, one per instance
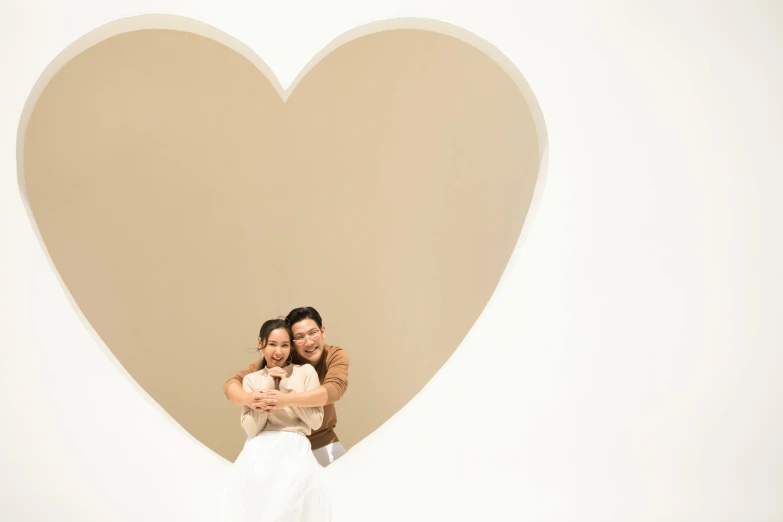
{"x":276,"y":477}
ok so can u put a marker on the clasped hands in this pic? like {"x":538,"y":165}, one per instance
{"x":269,"y":400}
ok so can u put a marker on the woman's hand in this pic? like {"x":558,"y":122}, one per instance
{"x":261,"y":400}
{"x":274,"y":400}
{"x":277,"y":372}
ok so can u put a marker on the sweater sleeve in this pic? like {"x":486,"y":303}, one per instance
{"x":313,"y":417}
{"x":239,"y":376}
{"x":336,"y":378}
{"x":252,"y":421}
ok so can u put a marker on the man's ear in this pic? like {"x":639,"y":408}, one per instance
{"x":323,"y":331}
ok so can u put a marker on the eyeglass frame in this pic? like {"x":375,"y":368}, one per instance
{"x":309,"y":335}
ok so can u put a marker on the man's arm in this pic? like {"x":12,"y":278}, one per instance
{"x":330,"y":391}
{"x":233,"y":387}
{"x":312,"y":416}
{"x":314,"y":398}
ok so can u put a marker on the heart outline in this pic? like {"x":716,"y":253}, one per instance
{"x":189,"y":25}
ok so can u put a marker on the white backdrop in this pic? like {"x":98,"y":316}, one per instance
{"x":626,"y":367}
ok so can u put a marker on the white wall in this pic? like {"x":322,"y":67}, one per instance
{"x":626,"y":366}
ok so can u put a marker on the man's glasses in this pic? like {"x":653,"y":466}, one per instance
{"x":312,"y":335}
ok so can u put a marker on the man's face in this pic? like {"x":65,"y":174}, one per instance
{"x":309,"y":340}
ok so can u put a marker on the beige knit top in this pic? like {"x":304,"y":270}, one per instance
{"x":291,"y":418}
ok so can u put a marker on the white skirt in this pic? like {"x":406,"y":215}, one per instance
{"x":276,"y":479}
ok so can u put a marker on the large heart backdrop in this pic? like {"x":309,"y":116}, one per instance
{"x":184,"y":199}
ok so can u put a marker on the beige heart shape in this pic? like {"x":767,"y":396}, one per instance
{"x":183,"y":199}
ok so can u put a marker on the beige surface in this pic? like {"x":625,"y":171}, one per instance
{"x":183,"y":202}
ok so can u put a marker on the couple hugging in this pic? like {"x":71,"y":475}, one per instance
{"x":287,"y":398}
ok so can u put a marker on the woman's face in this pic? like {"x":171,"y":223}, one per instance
{"x":277,"y":349}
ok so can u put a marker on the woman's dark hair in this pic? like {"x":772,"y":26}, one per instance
{"x":300,"y":314}
{"x":270,"y":326}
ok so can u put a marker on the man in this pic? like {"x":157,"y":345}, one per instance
{"x":331,"y":364}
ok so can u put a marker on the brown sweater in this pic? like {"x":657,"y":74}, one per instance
{"x":332,"y":372}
